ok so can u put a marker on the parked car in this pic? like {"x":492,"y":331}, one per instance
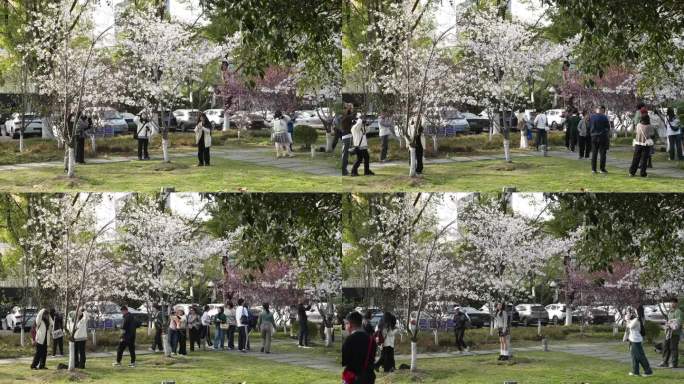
{"x":477,"y":124}
{"x":186,"y":118}
{"x":512,"y":313}
{"x":478,"y":319}
{"x":592,"y":315}
{"x":215,"y":117}
{"x":107,"y":120}
{"x":655,"y":313}
{"x":532,"y":314}
{"x":307,"y":117}
{"x":130,"y":120}
{"x":33,"y":125}
{"x":445,"y":122}
{"x":556,"y":312}
{"x":247,"y":120}
{"x":530,"y":115}
{"x":555,"y":118}
{"x":16,"y":317}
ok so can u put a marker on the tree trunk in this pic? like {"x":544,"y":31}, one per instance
{"x":94,"y":338}
{"x":166,"y":344}
{"x":523,"y":140}
{"x":165,"y":149}
{"x":414,"y":355}
{"x":313,"y":152}
{"x":507,"y":150}
{"x":21,"y":337}
{"x":149,"y":327}
{"x":329,"y":138}
{"x":539,"y":328}
{"x":226,"y":121}
{"x":434,"y":332}
{"x":72,"y":355}
{"x":568,"y":315}
{"x":412,"y":163}
{"x":71,"y":162}
{"x":434,"y":143}
{"x":93,"y":145}
{"x":21,"y":141}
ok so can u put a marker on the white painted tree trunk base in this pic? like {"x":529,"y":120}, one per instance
{"x":507,"y":150}
{"x":22,"y":337}
{"x":414,"y":355}
{"x":523,"y":141}
{"x":165,"y":149}
{"x":166,"y":344}
{"x":72,"y":355}
{"x":93,"y":145}
{"x":328,"y":336}
{"x":71,"y":162}
{"x":568,"y":316}
{"x":434,"y":143}
{"x":226,"y":121}
{"x":412,"y":163}
{"x":434,"y":332}
{"x":313,"y":152}
{"x":94,"y":337}
{"x":329,"y":138}
{"x":21,"y":142}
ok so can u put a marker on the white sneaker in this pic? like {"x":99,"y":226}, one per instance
{"x":632,"y":374}
{"x":647,"y":374}
{"x":131,"y":365}
{"x":115,"y":364}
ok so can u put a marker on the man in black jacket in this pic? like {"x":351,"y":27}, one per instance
{"x":460,"y":324}
{"x":599,"y":129}
{"x":303,"y":324}
{"x":358,"y":352}
{"x":345,"y":128}
{"x":127,"y":338}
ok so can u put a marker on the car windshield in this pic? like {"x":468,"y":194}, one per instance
{"x":451,"y":114}
{"x":537,"y":308}
{"x":109,"y":114}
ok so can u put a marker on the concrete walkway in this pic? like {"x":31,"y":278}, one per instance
{"x":302,"y":163}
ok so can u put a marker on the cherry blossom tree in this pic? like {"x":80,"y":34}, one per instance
{"x":72,"y":72}
{"x":500,"y":56}
{"x":160,"y":253}
{"x":76,"y":263}
{"x":415,"y":261}
{"x":159,"y":58}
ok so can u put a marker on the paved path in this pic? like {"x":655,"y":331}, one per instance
{"x":302,"y":163}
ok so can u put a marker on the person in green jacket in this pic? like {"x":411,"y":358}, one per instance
{"x":266,"y":324}
{"x":571,"y":132}
{"x":220,"y":320}
{"x":673,"y":333}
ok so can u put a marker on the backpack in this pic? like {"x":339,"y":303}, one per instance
{"x":252,"y":320}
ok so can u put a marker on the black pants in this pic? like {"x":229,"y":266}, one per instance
{"x":303,"y":333}
{"x":40,"y":356}
{"x":336,"y":139}
{"x":386,"y":360}
{"x":182,"y":341}
{"x":195,"y":338}
{"x":459,"y":333}
{"x":385,"y":145}
{"x":346,"y":144}
{"x":640,"y":159}
{"x":58,"y":344}
{"x":584,"y":146}
{"x":675,"y":146}
{"x":202,"y":152}
{"x":206,"y":334}
{"x":599,"y":148}
{"x":157,"y":342}
{"x":80,"y":352}
{"x":671,"y":351}
{"x":123,"y":345}
{"x":242,"y":337}
{"x":571,"y":139}
{"x":142,"y":149}
{"x":80,"y":150}
{"x":419,"y":156}
{"x":361,"y":155}
{"x":542,"y":139}
{"x":231,"y":337}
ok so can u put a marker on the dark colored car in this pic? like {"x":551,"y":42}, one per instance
{"x":478,"y":319}
{"x":478,"y":124}
{"x":504,"y":120}
{"x":590,"y":315}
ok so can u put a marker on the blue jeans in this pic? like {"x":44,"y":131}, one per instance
{"x":173,"y":339}
{"x":219,"y":338}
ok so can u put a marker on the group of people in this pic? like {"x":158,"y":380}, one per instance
{"x":281,"y":134}
{"x":147,"y":127}
{"x":361,"y":345}
{"x":48,"y":327}
{"x":635,"y":333}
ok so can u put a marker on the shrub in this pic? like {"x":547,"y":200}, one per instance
{"x":305,"y":135}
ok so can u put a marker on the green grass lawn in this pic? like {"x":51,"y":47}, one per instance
{"x":526,"y":174}
{"x":223,"y":175}
{"x":201,"y":368}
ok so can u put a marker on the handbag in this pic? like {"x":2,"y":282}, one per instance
{"x":57,"y":333}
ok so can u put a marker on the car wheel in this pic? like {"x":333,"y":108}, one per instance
{"x":554,"y":126}
{"x":525,"y":322}
{"x":555,"y":320}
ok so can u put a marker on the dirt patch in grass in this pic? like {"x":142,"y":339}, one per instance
{"x":509,"y":167}
{"x":71,"y":182}
{"x":166,"y":167}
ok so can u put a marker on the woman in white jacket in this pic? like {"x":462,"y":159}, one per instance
{"x":386,"y":331}
{"x":280,"y":136}
{"x":42,"y":325}
{"x":634,"y":333}
{"x":203,"y":140}
{"x":144,"y":131}
{"x":360,"y":147}
{"x":80,"y":332}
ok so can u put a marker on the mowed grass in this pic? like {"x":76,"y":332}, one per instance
{"x":200,"y":368}
{"x":525,"y":368}
{"x":525,"y":173}
{"x":223,"y":175}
